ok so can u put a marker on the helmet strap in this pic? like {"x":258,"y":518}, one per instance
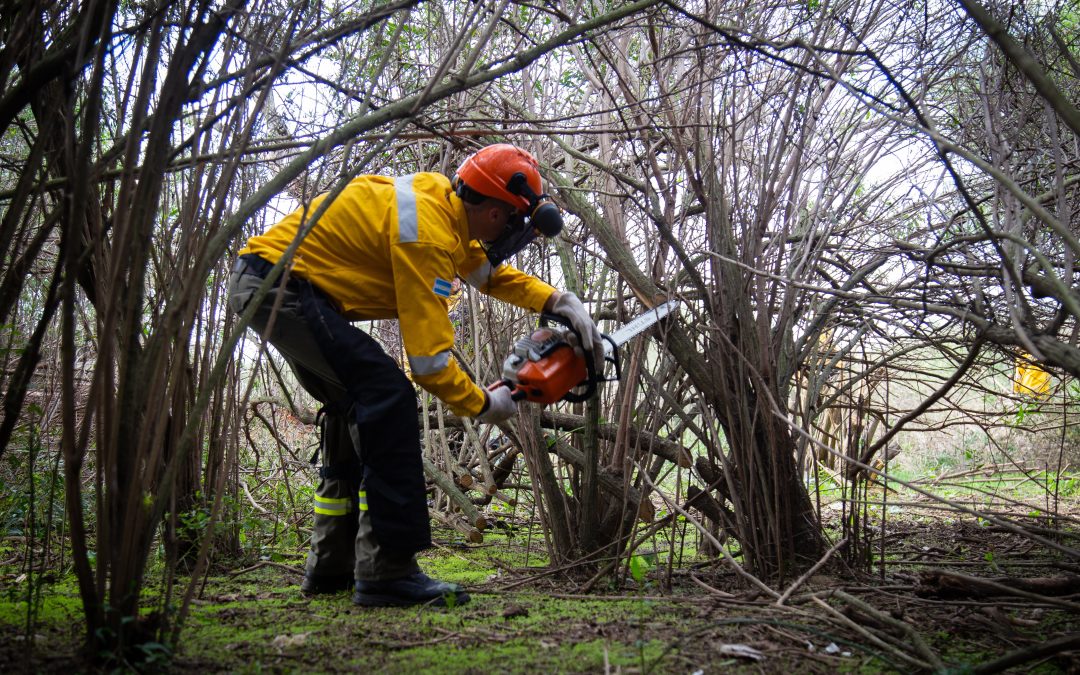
{"x":466,"y":193}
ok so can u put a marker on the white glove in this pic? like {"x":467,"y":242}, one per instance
{"x":498,"y":406}
{"x":568,"y":306}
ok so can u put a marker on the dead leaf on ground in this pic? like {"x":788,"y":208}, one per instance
{"x":290,"y":641}
{"x":741,"y":652}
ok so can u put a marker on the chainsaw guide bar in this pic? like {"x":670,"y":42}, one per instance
{"x":639,"y":323}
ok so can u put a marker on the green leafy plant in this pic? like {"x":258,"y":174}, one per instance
{"x":639,"y":569}
{"x":1024,"y":411}
{"x":451,"y":600}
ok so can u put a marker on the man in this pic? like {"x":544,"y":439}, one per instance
{"x":391,"y":248}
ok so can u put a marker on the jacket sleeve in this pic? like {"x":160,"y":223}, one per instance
{"x":423,"y":275}
{"x":504,"y":282}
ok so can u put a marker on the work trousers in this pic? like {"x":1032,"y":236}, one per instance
{"x":370,"y":505}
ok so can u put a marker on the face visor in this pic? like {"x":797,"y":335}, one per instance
{"x":542,"y":218}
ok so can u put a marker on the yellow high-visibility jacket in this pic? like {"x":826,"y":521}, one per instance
{"x":390,"y":248}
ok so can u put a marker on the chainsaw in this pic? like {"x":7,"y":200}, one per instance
{"x":544,"y":368}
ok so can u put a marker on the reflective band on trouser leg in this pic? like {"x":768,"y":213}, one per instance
{"x":384,"y":411}
{"x":362,"y":499}
{"x":332,"y":506}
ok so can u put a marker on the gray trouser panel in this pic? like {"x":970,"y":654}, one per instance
{"x":341,"y":540}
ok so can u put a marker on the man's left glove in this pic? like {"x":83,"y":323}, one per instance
{"x":568,"y":306}
{"x":498,"y":406}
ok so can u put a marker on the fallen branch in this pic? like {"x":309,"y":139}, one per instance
{"x":446,"y":484}
{"x":941,"y":583}
{"x":267,"y":563}
{"x":661,"y":447}
{"x":811,"y":572}
{"x":251,"y":499}
{"x":657,"y":445}
{"x":1037,"y":651}
{"x":899,"y":653}
{"x":472,"y":534}
{"x":711,"y":589}
{"x":913,"y":635}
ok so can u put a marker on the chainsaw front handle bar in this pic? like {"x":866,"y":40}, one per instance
{"x":517,"y":393}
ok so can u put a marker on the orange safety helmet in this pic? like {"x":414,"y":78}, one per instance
{"x":489,"y":171}
{"x":508,"y":173}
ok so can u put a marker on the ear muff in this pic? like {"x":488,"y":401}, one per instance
{"x":544,"y":216}
{"x":547,"y":218}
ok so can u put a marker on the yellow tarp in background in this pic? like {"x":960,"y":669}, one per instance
{"x":1030,"y":379}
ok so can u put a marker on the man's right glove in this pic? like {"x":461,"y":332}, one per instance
{"x":498,"y":406}
{"x":568,"y":306}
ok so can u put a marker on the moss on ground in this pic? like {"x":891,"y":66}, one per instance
{"x":57,"y":603}
{"x":259,"y":622}
{"x":528,"y":655}
{"x":255,"y":620}
{"x":521,"y":633}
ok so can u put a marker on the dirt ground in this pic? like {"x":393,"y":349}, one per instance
{"x":927,"y":611}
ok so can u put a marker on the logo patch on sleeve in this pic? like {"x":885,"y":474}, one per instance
{"x":442,"y":287}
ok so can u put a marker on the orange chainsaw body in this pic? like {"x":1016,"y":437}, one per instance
{"x":546,"y":368}
{"x":543,"y":368}
{"x":547,"y":380}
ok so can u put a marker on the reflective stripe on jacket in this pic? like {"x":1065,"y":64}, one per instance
{"x":390,"y":248}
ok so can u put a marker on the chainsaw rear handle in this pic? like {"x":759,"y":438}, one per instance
{"x":546,"y":318}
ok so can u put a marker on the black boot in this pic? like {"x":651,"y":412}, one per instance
{"x":315,"y":584}
{"x":416,"y":589}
